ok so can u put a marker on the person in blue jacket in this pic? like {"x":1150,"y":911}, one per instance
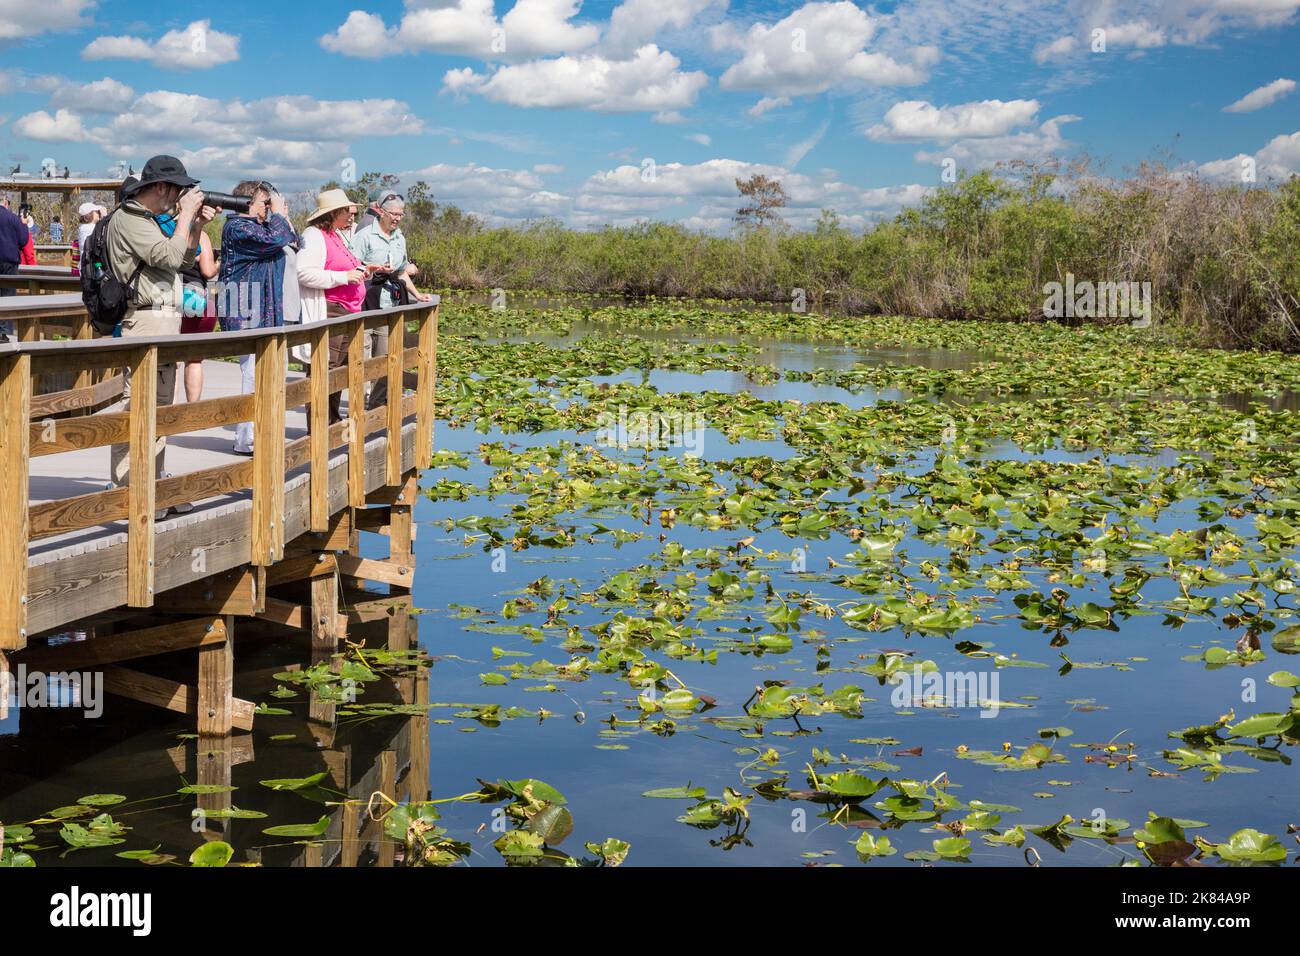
{"x":252,"y":277}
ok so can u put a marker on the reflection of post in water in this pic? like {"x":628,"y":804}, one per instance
{"x":215,"y":759}
{"x":400,"y":770}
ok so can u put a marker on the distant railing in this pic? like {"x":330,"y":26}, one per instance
{"x":29,"y":430}
{"x":35,"y":279}
{"x":61,"y":251}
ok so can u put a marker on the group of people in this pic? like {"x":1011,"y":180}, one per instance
{"x":334,"y":267}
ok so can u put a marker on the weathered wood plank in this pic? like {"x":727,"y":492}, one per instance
{"x":75,"y":399}
{"x":401,"y":526}
{"x":110,"y":649}
{"x":216,"y":685}
{"x":319,"y":430}
{"x":140,"y":488}
{"x":268,"y":453}
{"x":51,"y":436}
{"x":300,"y":569}
{"x":230,"y":592}
{"x":356,"y":419}
{"x":373,"y":518}
{"x":15,"y":405}
{"x":426,"y":387}
{"x":396,"y":355}
{"x":297,"y":616}
{"x":170,"y":695}
{"x":371,"y":569}
{"x":325,"y":631}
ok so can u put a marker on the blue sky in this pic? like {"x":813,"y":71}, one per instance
{"x":611,"y":111}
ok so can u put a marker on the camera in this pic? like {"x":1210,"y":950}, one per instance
{"x":226,"y":201}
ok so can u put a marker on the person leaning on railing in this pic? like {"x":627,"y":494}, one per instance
{"x":382,"y":244}
{"x":331,"y":279}
{"x":136,"y":241}
{"x":252,"y":276}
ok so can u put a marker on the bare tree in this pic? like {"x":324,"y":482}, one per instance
{"x":766,"y":196}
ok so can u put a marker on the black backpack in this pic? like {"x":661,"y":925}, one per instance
{"x":105,"y":295}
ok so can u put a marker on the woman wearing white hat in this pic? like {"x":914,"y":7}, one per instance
{"x":331,"y":279}
{"x":89,"y":213}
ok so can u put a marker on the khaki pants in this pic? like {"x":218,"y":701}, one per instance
{"x":146,"y":322}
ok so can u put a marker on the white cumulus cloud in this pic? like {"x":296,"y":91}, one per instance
{"x":1266,"y":95}
{"x":63,"y":127}
{"x":21,"y":18}
{"x":467,"y":28}
{"x":197,"y":47}
{"x":1278,"y":160}
{"x":650,"y":81}
{"x":815,"y":48}
{"x":920,"y":121}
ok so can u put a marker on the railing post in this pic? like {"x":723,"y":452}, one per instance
{"x":396,"y":348}
{"x":319,"y":426}
{"x":268,"y":451}
{"x":356,"y":414}
{"x":426,"y":388}
{"x":82,"y":329}
{"x":142,"y":429}
{"x":15,"y":401}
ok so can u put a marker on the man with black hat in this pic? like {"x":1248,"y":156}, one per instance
{"x":143,"y":242}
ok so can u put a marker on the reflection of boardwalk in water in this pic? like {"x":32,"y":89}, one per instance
{"x":358,"y":757}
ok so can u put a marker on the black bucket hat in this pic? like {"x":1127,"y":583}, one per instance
{"x":161,"y":169}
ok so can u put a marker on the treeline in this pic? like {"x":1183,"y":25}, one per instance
{"x":1221,"y":260}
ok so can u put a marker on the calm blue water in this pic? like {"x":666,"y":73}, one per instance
{"x":603,"y":771}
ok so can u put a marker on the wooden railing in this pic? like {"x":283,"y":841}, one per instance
{"x":33,"y":281}
{"x":61,"y":251}
{"x":30,"y":430}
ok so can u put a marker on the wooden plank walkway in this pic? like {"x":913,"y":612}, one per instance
{"x":76,"y":550}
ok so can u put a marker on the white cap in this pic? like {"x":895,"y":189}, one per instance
{"x":86,"y":208}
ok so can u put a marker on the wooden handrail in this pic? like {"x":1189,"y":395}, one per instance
{"x":23,"y":438}
{"x":241,"y":342}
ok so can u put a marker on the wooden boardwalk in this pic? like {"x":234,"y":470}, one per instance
{"x":270,"y":537}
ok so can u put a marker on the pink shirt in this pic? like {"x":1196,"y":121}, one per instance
{"x":338,"y":258}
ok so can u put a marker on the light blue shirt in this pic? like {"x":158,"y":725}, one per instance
{"x":374,"y":248}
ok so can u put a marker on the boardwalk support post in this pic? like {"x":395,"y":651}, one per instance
{"x":216,"y":684}
{"x":15,"y":400}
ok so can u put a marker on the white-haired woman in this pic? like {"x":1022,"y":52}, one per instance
{"x":331,"y":279}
